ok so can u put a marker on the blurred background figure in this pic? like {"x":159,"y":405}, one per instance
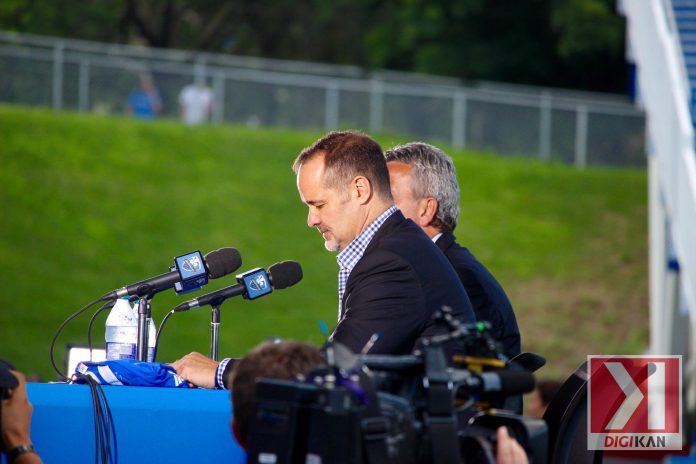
{"x":542,"y":395}
{"x":196,"y":103}
{"x":144,"y":102}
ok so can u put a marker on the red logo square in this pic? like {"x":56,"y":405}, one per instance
{"x":634,"y":402}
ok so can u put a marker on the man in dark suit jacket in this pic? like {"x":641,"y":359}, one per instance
{"x":424,"y":186}
{"x":395,"y":289}
{"x":392,"y":278}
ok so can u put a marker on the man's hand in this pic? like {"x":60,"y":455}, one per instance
{"x":197,"y":369}
{"x":508,"y":450}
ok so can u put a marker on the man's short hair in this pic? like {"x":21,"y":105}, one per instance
{"x":348,"y":154}
{"x":434,"y":176}
{"x":286,"y":360}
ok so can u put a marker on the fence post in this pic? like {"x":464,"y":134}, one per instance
{"x":199,"y":70}
{"x":545,"y":126}
{"x":581,"y":136}
{"x":459,"y":119}
{"x":58,"y":76}
{"x":83,"y":86}
{"x":219,"y":97}
{"x":376,"y":105}
{"x":331,"y":106}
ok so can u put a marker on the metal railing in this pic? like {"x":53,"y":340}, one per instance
{"x":568,"y":127}
{"x":672,"y":177}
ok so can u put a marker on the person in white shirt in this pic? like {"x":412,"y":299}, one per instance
{"x":196,"y":103}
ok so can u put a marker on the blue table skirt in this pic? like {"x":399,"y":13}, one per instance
{"x":152,"y":424}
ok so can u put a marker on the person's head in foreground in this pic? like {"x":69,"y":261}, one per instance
{"x":282,"y":359}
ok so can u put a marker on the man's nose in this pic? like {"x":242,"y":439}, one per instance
{"x":312,"y":219}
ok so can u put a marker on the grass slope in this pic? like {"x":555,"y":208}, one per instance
{"x":92,"y":203}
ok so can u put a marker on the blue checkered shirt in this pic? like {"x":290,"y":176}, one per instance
{"x":349,"y":257}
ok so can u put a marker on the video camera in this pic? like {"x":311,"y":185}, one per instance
{"x":403,"y":409}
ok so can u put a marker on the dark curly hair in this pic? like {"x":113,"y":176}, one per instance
{"x":286,"y":360}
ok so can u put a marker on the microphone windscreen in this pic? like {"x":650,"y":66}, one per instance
{"x":222,"y":262}
{"x":285,"y":274}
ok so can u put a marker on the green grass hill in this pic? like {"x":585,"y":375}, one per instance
{"x":89,"y":204}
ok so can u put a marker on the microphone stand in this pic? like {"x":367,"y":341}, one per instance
{"x":144,"y":317}
{"x":215,"y":331}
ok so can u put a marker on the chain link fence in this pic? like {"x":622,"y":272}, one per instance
{"x":553,"y":125}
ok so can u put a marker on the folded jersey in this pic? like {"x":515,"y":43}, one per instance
{"x":131,"y":372}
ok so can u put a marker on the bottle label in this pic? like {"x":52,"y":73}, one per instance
{"x":120,"y":350}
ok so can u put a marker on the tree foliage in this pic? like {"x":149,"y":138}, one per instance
{"x":571,"y":43}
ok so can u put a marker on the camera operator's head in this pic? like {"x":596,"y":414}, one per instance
{"x":286,"y":360}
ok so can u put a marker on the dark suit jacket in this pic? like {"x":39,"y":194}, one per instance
{"x":487,"y":296}
{"x":400,"y":281}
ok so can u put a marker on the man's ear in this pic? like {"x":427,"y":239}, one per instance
{"x":361,"y":188}
{"x":427,"y":209}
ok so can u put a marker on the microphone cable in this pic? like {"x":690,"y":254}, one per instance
{"x":159,"y":332}
{"x":60,"y":329}
{"x":104,"y":431}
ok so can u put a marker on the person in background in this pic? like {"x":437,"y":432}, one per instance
{"x":425,"y":188}
{"x":144,"y":102}
{"x":541,"y":396}
{"x":195,"y":103}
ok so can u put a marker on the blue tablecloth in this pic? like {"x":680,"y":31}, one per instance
{"x":152,"y":424}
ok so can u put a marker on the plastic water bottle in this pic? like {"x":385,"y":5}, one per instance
{"x":151,"y":339}
{"x":121,"y":331}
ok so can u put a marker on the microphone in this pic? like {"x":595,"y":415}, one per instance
{"x":251,"y":285}
{"x":507,"y":382}
{"x":191,"y":271}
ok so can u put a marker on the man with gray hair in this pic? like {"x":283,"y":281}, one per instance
{"x":425,"y":188}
